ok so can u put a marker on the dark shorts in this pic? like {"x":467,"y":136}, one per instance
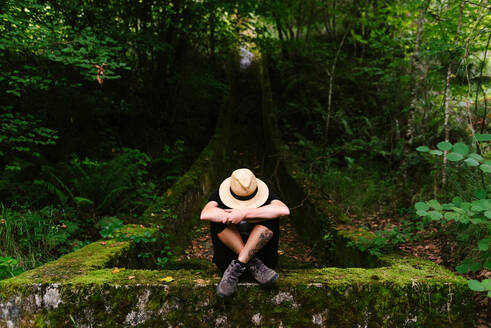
{"x":222,"y":255}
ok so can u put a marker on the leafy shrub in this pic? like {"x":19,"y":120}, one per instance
{"x":384,"y":241}
{"x":21,"y":137}
{"x":117,"y":185}
{"x":471,"y":218}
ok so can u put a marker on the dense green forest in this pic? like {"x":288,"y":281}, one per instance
{"x":105,"y":104}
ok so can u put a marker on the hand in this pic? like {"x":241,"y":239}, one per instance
{"x":235,"y":215}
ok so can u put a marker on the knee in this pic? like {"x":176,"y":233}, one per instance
{"x":266,"y":232}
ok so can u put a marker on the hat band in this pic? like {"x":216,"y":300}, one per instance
{"x":251,"y":196}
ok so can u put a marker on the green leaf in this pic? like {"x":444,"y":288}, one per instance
{"x":434,"y":215}
{"x":457,"y":200}
{"x":436,"y":152}
{"x":435,"y":204}
{"x":477,"y":221}
{"x":471,"y":162}
{"x":452,"y":216}
{"x":421,"y":206}
{"x":423,"y":149}
{"x":483,"y":244}
{"x":444,"y":145}
{"x":483,"y":137}
{"x":421,"y":213}
{"x":476,"y":208}
{"x":475,"y":285}
{"x":447,"y":206}
{"x":454,"y":157}
{"x":83,"y":201}
{"x":475,"y":266}
{"x":486,"y":283}
{"x":480,"y":193}
{"x":485,"y":168}
{"x":488,"y":214}
{"x":487,"y":263}
{"x":461,"y":148}
{"x":477,"y":157}
{"x":463,"y":268}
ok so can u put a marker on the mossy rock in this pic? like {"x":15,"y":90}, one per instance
{"x":410,"y":292}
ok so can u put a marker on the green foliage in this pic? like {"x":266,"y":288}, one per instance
{"x":109,"y":226}
{"x":35,"y":30}
{"x":21,"y":139}
{"x":111,"y":229}
{"x":118,"y":184}
{"x":472,"y":218}
{"x":9,"y":267}
{"x":384,"y":241}
{"x":34,"y":237}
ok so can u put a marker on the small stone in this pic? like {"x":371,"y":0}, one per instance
{"x":51,"y":297}
{"x":256,"y":319}
{"x":317,"y":319}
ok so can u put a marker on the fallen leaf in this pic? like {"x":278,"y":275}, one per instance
{"x":102,"y":243}
{"x":167,"y":279}
{"x":131,"y":277}
{"x":280,"y":252}
{"x":201,"y":281}
{"x":116,"y":270}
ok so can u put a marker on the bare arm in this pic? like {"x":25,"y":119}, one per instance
{"x":274,"y":210}
{"x":211,"y":212}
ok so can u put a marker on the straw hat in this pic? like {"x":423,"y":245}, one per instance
{"x":243,"y":190}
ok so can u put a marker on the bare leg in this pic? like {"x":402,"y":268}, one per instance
{"x":230,"y":236}
{"x":259,"y":236}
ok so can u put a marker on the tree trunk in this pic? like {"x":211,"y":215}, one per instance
{"x":447,"y":95}
{"x":479,"y":87}
{"x":417,"y":73}
{"x":331,"y":83}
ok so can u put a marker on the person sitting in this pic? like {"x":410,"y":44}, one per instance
{"x":244,"y":224}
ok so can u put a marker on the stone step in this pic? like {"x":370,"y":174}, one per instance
{"x":84,"y":285}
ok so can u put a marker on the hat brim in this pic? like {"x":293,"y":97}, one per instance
{"x":257,"y":201}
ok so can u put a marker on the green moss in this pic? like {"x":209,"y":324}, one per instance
{"x":408,"y":287}
{"x":96,"y":255}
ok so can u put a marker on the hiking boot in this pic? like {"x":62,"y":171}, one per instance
{"x":263,"y":275}
{"x":228,"y":284}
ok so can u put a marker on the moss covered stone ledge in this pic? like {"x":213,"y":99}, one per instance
{"x":410,"y":292}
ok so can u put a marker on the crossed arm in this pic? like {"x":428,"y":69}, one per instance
{"x":275,"y":209}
